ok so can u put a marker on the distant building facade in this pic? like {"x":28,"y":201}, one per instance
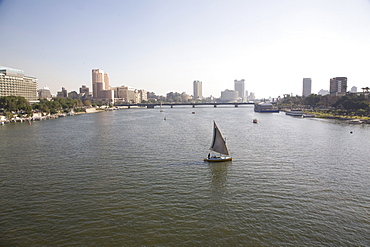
{"x":239,"y":87}
{"x":63,"y":93}
{"x":14,"y":82}
{"x":197,"y":90}
{"x":84,"y":90}
{"x":323,"y":92}
{"x":338,"y":86}
{"x":44,"y":93}
{"x":252,"y":96}
{"x":129,"y":95}
{"x":229,"y":96}
{"x":306,"y":87}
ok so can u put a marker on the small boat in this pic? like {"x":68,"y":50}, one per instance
{"x":356,"y":121}
{"x":296,"y":113}
{"x":218,"y":145}
{"x":308,"y":115}
{"x":161,"y":110}
{"x":193,"y":112}
{"x":255,"y":120}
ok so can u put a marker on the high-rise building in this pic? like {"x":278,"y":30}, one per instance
{"x":197,"y":90}
{"x":100,"y":84}
{"x":306,"y":87}
{"x":239,"y":87}
{"x":338,"y":86}
{"x":13,"y":82}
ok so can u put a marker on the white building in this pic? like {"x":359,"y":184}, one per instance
{"x":229,"y":96}
{"x":323,"y":92}
{"x":13,"y":82}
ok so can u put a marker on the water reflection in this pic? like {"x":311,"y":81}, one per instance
{"x":219,"y":179}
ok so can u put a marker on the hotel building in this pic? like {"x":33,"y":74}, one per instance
{"x":14,"y":82}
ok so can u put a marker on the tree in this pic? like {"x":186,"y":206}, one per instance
{"x":87,"y":103}
{"x":312,"y":100}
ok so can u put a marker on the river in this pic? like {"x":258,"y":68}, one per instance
{"x":136,"y":177}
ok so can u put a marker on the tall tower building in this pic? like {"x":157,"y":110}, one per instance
{"x":338,"y":86}
{"x":100,"y":82}
{"x":197,"y":90}
{"x":239,"y":87}
{"x":306,"y":87}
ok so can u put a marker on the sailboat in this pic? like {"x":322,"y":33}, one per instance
{"x":218,"y":145}
{"x":161,"y":110}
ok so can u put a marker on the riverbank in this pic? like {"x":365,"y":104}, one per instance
{"x":339,"y":117}
{"x":40,"y":117}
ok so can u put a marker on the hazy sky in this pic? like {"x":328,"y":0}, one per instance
{"x":164,"y":45}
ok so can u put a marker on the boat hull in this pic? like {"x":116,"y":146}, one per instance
{"x":218,"y":159}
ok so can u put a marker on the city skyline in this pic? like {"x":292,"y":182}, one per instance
{"x":160,"y":46}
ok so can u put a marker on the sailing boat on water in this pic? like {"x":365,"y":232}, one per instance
{"x":218,"y":145}
{"x":161,"y":110}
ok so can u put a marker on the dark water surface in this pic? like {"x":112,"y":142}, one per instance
{"x":131,"y":178}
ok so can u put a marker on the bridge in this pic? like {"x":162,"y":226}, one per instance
{"x":152,"y":105}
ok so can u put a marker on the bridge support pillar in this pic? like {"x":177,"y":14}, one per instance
{"x":236,"y":106}
{"x":150,"y":106}
{"x":128,"y":107}
{"x":193,"y":106}
{"x":215,"y":105}
{"x":171,"y":106}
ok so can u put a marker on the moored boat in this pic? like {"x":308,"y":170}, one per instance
{"x":265,"y":107}
{"x":296,"y":113}
{"x":356,"y":121}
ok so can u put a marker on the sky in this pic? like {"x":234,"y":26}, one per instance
{"x":164,"y":45}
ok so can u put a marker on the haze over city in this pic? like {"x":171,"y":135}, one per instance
{"x":163,"y":46}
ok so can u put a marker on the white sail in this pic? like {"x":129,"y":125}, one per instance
{"x":218,"y":143}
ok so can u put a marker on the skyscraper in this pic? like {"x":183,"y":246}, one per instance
{"x":100,"y":84}
{"x":197,"y":90}
{"x":338,"y":86}
{"x":306,"y":87}
{"x":239,"y":87}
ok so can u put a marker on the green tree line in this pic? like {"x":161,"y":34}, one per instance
{"x":358,"y":104}
{"x":19,"y":105}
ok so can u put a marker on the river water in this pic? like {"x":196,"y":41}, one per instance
{"x":133,"y":178}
